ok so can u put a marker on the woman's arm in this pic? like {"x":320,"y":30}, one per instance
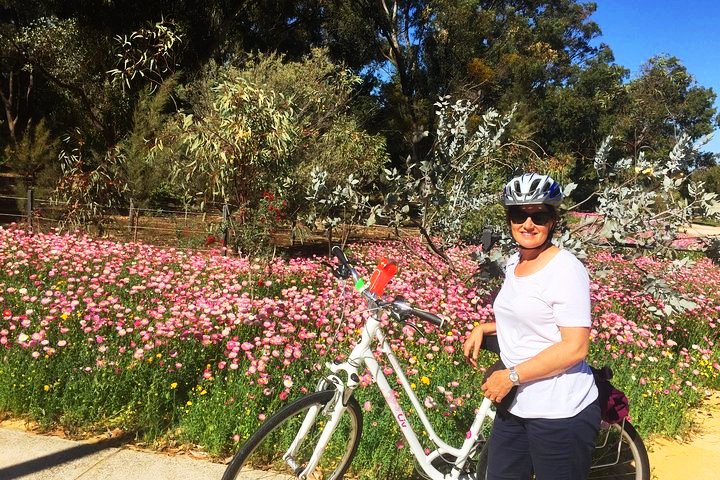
{"x":554,"y":360}
{"x":472,"y":344}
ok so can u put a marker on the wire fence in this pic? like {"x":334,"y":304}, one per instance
{"x":191,"y":229}
{"x":208,"y":230}
{"x":186,"y":228}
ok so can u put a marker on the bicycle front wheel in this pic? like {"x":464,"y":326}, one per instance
{"x":620,"y":454}
{"x":261,"y":456}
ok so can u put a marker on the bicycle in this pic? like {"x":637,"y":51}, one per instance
{"x":317,"y":435}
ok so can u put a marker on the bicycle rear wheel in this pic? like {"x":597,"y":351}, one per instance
{"x":620,"y":454}
{"x":261,"y":456}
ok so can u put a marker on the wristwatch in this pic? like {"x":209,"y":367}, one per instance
{"x":514,"y":377}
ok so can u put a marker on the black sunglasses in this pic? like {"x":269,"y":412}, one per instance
{"x":517,"y":216}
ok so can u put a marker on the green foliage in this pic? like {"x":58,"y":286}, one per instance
{"x":639,"y":200}
{"x":55,"y":46}
{"x":709,"y":176}
{"x":664,"y":100}
{"x":148,"y":176}
{"x":259,"y":223}
{"x":331,"y":138}
{"x":333,"y":203}
{"x":91,"y":186}
{"x":361,"y":76}
{"x":267,"y":128}
{"x":147,"y":54}
{"x":233,"y":146}
{"x":68,"y":60}
{"x":34,"y":157}
{"x":582,"y":111}
{"x":457,"y":182}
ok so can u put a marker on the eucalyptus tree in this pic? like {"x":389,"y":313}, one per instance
{"x":663,"y":102}
{"x":500,"y":53}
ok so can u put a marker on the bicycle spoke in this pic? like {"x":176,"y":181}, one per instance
{"x":261,"y":457}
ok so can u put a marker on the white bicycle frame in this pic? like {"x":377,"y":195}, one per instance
{"x":363,"y":356}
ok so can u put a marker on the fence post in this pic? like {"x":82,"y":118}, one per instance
{"x":133,"y":216}
{"x":30,"y":209}
{"x":226,"y":230}
{"x":130,"y":216}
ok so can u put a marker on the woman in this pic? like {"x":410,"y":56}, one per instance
{"x":542,"y":322}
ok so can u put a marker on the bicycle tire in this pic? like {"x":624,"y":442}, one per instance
{"x":632,"y":463}
{"x":262,"y":452}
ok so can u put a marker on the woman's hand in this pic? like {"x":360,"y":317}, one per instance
{"x":497,"y":385}
{"x":472,"y":344}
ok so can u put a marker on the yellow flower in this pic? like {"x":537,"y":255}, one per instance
{"x":189,"y":402}
{"x":64,"y":316}
{"x":425,"y":380}
{"x":46,"y":388}
{"x":173,"y":385}
{"x":413,"y":386}
{"x":204,"y":392}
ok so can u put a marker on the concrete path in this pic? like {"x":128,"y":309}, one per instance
{"x":697,"y":230}
{"x":39,"y":457}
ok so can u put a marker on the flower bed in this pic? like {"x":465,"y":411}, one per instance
{"x":199,"y":349}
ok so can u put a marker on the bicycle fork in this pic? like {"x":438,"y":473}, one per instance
{"x":336,"y":409}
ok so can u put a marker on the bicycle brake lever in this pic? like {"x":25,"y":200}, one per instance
{"x":340,"y":271}
{"x":416,"y":328}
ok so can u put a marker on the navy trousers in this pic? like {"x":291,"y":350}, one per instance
{"x":553,"y":449}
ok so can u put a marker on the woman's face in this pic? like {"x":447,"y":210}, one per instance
{"x":530,"y":225}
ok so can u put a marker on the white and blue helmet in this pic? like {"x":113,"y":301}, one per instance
{"x":532,"y":189}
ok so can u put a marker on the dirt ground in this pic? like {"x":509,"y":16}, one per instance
{"x":696,"y":457}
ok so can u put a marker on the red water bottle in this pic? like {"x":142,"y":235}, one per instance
{"x":384,"y":271}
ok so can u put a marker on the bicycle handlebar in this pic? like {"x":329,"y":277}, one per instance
{"x":340,"y":255}
{"x":399,"y":307}
{"x":428,"y":317}
{"x":345,"y":270}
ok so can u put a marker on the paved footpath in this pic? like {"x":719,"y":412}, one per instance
{"x":40,"y":457}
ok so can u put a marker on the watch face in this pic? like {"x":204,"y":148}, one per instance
{"x":514,"y":377}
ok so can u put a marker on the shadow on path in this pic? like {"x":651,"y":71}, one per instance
{"x":63,"y":456}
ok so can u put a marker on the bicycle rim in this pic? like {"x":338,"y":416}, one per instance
{"x":261,"y":456}
{"x":620,"y":454}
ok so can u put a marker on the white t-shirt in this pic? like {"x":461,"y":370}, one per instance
{"x":528,"y":311}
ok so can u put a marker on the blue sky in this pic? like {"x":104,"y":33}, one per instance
{"x":690,"y":30}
